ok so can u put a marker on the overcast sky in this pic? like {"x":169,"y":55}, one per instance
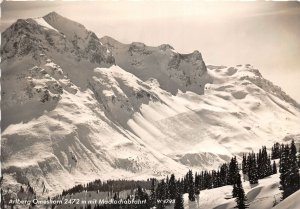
{"x":264,"y":34}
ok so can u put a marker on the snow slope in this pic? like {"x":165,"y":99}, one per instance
{"x":260,"y":196}
{"x":263,"y":195}
{"x":174,"y":71}
{"x":292,"y":202}
{"x":70,"y":115}
{"x":67,"y":138}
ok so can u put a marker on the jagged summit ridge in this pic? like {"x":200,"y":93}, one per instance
{"x":53,"y":35}
{"x":174,"y":71}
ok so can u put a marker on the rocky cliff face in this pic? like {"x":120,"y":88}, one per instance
{"x":174,"y":71}
{"x":36,"y":37}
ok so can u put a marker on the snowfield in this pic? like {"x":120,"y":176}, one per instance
{"x":264,"y":195}
{"x":292,"y":202}
{"x":260,"y":196}
{"x":74,"y":111}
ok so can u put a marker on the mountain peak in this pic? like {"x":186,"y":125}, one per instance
{"x":164,"y":47}
{"x":53,"y":13}
{"x":197,"y":55}
{"x":54,"y":16}
{"x":66,"y":26}
{"x":110,"y":42}
{"x":50,"y":35}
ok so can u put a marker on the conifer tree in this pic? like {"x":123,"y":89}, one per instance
{"x":117,"y":206}
{"x":213,"y":178}
{"x":275,"y":151}
{"x":186,"y":183}
{"x":284,"y":169}
{"x":259,"y":164}
{"x":207,"y":180}
{"x":252,"y":171}
{"x":293,"y":149}
{"x":274,"y":168}
{"x":269,"y":166}
{"x":294,"y":174}
{"x":152,"y":193}
{"x":240,"y":194}
{"x":244,"y":164}
{"x":191,"y":187}
{"x":178,"y":201}
{"x":161,"y":194}
{"x":233,"y":171}
{"x":179,"y":186}
{"x":264,"y":167}
{"x":202,"y":183}
{"x":197,"y":181}
{"x":167,"y":188}
{"x":224,"y":174}
{"x":172,"y":187}
{"x":235,"y":190}
{"x":299,"y":158}
{"x":218,"y":179}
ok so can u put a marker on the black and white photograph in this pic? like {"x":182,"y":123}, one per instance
{"x":174,"y":104}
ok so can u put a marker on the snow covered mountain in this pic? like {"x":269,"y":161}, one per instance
{"x":36,"y":36}
{"x":76,"y":107}
{"x":174,"y":71}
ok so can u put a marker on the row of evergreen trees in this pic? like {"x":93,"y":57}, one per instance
{"x":277,"y":150}
{"x":289,"y":170}
{"x":108,"y":186}
{"x":258,"y":166}
{"x":254,"y":166}
{"x":161,"y":192}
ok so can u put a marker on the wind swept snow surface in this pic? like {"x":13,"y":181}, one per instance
{"x":74,"y":110}
{"x":292,"y":202}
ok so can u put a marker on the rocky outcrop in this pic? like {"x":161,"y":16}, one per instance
{"x":174,"y":71}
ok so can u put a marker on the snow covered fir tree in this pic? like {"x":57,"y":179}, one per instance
{"x":89,"y":122}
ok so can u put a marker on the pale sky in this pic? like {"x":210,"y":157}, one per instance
{"x":263,"y":34}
